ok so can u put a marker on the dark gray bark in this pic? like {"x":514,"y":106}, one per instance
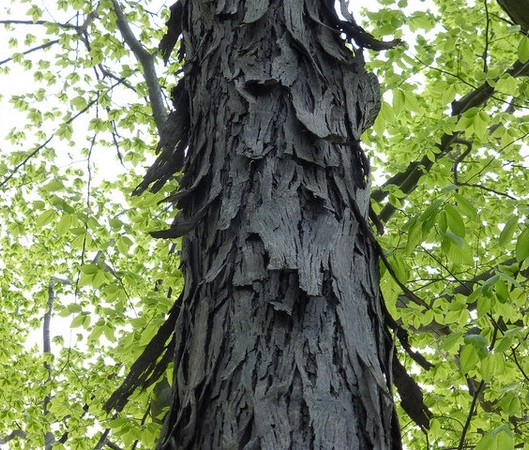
{"x":517,"y":11}
{"x":280,"y":339}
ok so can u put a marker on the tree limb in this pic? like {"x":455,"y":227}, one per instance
{"x":146,"y":60}
{"x":408,"y":179}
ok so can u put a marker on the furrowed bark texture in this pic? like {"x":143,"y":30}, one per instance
{"x":280,"y":339}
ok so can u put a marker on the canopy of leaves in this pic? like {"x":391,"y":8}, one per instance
{"x":77,"y":134}
{"x":450,"y":153}
{"x":450,"y":188}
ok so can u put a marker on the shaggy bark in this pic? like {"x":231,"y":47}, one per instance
{"x":280,"y":339}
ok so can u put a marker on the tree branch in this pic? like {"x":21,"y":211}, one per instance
{"x":31,"y":50}
{"x":469,"y":416}
{"x":466,"y":287}
{"x":408,"y":179}
{"x":79,"y":29}
{"x":41,"y":146}
{"x":146,"y":60}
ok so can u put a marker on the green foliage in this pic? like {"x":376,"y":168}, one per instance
{"x":462,"y":232}
{"x":81,"y":133}
{"x":77,"y":136}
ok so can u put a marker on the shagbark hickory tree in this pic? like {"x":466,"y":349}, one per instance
{"x":281,"y":327}
{"x":281,"y":338}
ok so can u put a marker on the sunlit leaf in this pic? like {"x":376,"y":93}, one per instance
{"x":522,"y":245}
{"x":523,"y":49}
{"x":508,"y":231}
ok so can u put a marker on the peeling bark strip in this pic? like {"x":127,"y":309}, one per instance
{"x":280,"y":342}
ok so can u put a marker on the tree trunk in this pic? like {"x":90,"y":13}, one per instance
{"x":280,"y":339}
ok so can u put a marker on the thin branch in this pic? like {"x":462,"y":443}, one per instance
{"x":106,"y":73}
{"x":515,"y":358}
{"x":79,"y":29}
{"x":41,"y":146}
{"x":26,"y":159}
{"x":46,"y":348}
{"x":470,"y":414}
{"x":115,"y":135}
{"x":485,"y":188}
{"x":31,"y":50}
{"x":146,"y":60}
{"x":38,"y":22}
{"x":461,"y":157}
{"x":364,"y":225}
{"x":408,"y":179}
{"x":442,"y":265}
{"x":466,"y":287}
{"x":486,"y":49}
{"x":113,"y":446}
{"x":13,"y":435}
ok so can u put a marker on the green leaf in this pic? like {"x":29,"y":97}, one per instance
{"x":455,"y":221}
{"x":522,"y":245}
{"x":79,"y":102}
{"x":411,"y":101}
{"x":476,"y":340}
{"x":456,"y":239}
{"x":90,"y":269}
{"x":387,"y":113}
{"x":123,"y":244}
{"x":414,"y":236}
{"x":65,"y":223}
{"x":99,"y":278}
{"x":399,"y":99}
{"x":468,"y":358}
{"x":35,"y":12}
{"x":420,"y":19}
{"x":508,"y":231}
{"x":487,"y":366}
{"x":450,"y":340}
{"x":53,"y":186}
{"x":471,"y":112}
{"x":45,"y":218}
{"x":484,"y":305}
{"x":523,"y":49}
{"x":74,"y":308}
{"x":78,"y":320}
{"x":501,"y":438}
{"x":399,"y":266}
{"x":502,"y":290}
{"x":466,"y":207}
{"x":505,"y":343}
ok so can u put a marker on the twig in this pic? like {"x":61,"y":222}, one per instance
{"x":38,"y":22}
{"x":378,"y":248}
{"x":461,"y":157}
{"x":31,"y":50}
{"x":485,"y":188}
{"x":469,"y":415}
{"x":486,"y":49}
{"x":41,"y":146}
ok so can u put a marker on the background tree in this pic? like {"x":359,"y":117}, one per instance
{"x":450,"y":191}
